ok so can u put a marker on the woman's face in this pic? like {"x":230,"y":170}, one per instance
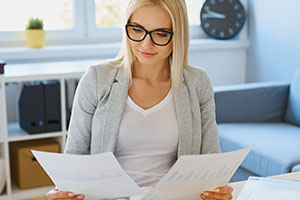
{"x":151,"y":18}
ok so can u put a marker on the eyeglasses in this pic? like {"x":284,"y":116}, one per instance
{"x":159,"y":37}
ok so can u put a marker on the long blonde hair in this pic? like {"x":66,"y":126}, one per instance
{"x":179,"y":56}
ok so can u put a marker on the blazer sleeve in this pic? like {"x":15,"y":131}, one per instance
{"x":84,"y":106}
{"x":210,"y":140}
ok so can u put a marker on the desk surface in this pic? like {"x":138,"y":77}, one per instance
{"x":238,"y":186}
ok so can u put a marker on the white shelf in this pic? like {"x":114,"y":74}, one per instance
{"x":29,"y":193}
{"x":11,"y":132}
{"x":46,"y":71}
{"x":15,"y":133}
{"x":3,"y":120}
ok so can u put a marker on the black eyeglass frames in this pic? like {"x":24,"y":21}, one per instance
{"x":159,"y":37}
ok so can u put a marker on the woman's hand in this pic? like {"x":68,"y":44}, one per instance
{"x":220,"y":193}
{"x":57,"y":195}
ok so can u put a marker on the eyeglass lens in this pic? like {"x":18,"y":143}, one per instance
{"x":159,"y":37}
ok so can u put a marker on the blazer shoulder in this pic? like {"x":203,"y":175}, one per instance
{"x":194,"y":75}
{"x":104,"y":73}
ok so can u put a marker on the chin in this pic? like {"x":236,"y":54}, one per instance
{"x":147,"y":61}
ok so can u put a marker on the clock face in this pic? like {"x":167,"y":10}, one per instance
{"x":222,"y":19}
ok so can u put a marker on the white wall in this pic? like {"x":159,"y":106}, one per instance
{"x":274,"y":34}
{"x":224,"y":67}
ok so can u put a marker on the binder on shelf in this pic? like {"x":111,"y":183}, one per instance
{"x":31,"y":109}
{"x":40,"y":108}
{"x":52,"y":107}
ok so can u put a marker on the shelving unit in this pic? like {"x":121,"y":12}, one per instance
{"x":11,"y":132}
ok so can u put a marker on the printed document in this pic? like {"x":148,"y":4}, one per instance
{"x":101,"y":176}
{"x":193,"y":174}
{"x":259,"y":188}
{"x":96,"y":176}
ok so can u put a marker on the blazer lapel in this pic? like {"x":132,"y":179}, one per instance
{"x":115,"y":108}
{"x":184,"y":116}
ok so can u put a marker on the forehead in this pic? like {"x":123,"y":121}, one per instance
{"x":152,"y":17}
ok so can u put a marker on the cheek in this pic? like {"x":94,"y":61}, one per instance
{"x":134,"y":48}
{"x":169,"y":49}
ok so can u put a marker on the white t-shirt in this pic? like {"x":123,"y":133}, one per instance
{"x":148,"y":140}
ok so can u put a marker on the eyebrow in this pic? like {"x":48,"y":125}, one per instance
{"x":167,"y":29}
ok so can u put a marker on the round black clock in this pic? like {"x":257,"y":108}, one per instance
{"x":222,"y":19}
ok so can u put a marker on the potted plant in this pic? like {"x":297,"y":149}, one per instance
{"x":35,"y":34}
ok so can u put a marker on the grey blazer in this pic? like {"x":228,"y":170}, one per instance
{"x":100,"y":100}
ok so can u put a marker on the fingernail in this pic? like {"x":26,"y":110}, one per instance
{"x":80,"y":197}
{"x":70,"y":194}
{"x":206,"y":193}
{"x":217,"y":190}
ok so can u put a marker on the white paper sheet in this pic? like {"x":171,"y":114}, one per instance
{"x":193,"y":174}
{"x":96,"y":176}
{"x":258,"y":188}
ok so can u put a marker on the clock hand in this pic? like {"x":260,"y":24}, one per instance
{"x":212,"y":14}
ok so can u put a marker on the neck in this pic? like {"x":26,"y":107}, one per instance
{"x":152,"y":72}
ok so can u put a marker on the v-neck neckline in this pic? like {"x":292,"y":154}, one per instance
{"x":157,"y":106}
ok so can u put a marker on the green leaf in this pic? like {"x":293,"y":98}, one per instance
{"x":35,"y":23}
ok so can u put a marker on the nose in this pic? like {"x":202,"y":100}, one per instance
{"x":147,"y":42}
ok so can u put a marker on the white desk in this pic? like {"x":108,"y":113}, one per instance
{"x":238,"y":186}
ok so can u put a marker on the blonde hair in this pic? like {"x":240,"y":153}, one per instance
{"x":180,"y":26}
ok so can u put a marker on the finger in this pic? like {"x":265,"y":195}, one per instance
{"x":55,"y":194}
{"x":216,"y":195}
{"x":224,"y":189}
{"x":206,"y":198}
{"x":78,"y":196}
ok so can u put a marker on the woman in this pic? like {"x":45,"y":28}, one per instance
{"x":148,"y":106}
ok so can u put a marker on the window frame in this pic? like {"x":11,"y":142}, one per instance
{"x":103,"y":35}
{"x":17,"y":38}
{"x":83,"y":31}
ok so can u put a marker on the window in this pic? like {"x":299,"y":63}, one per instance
{"x":109,"y":13}
{"x":73,"y":21}
{"x":56,"y":14}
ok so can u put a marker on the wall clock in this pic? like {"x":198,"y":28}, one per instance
{"x":222,"y":19}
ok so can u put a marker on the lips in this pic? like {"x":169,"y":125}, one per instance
{"x":147,"y":54}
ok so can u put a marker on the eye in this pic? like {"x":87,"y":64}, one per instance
{"x":161,"y":34}
{"x":137,"y":29}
